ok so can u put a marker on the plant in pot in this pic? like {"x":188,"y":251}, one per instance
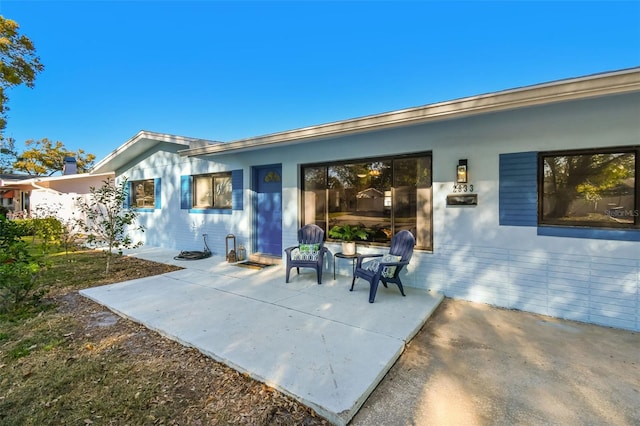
{"x":348,"y":233}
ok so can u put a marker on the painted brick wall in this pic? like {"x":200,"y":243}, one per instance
{"x":594,"y":289}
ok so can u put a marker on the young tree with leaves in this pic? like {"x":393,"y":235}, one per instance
{"x":44,"y":158}
{"x":107,"y":221}
{"x":18,"y":63}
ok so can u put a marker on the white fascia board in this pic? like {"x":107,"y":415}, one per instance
{"x":44,"y":180}
{"x":133,"y":147}
{"x":624,"y":81}
{"x":75,"y":176}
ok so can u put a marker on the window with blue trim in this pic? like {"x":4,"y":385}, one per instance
{"x":589,"y":188}
{"x":145,"y":194}
{"x":212,"y":192}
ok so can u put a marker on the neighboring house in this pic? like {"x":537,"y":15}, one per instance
{"x":9,"y":196}
{"x":57,"y":195}
{"x":526,"y":199}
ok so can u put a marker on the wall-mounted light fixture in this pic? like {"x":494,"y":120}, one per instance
{"x":461,"y":171}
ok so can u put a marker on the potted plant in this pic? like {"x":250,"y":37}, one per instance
{"x":348,"y":233}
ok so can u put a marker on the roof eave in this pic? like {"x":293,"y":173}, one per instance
{"x":110,"y":163}
{"x":46,"y":180}
{"x":625,"y":81}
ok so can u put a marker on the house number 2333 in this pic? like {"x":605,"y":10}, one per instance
{"x":462,"y":188}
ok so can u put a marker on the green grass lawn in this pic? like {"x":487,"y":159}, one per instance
{"x":67,"y":360}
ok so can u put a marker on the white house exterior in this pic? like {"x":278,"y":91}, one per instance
{"x":7,"y":195}
{"x":511,"y":246}
{"x":58,"y":195}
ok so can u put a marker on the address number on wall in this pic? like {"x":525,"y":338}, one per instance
{"x":462,"y":188}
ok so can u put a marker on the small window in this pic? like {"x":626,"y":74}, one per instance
{"x":594,"y":188}
{"x":143,"y":194}
{"x":212,"y":191}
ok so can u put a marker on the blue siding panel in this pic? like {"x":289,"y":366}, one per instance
{"x":518,"y":189}
{"x":185,"y":192}
{"x":237,"y":185}
{"x":127,"y":195}
{"x":157,"y":193}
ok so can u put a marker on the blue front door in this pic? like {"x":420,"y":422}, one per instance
{"x":268,"y":186}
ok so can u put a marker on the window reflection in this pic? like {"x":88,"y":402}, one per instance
{"x":380,"y":195}
{"x":589,"y":189}
{"x":212,"y":191}
{"x":143,"y":193}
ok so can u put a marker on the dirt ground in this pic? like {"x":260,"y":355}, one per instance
{"x":90,"y":366}
{"x":210,"y":387}
{"x":473,"y":364}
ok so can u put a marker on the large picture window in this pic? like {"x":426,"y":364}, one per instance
{"x":590,"y":188}
{"x":382,"y":195}
{"x":212,"y":191}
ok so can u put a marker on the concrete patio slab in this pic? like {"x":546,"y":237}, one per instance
{"x":321,"y":344}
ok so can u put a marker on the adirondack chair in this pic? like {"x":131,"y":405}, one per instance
{"x":385,"y":268}
{"x":309,"y":253}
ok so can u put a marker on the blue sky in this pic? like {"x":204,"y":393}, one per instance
{"x":230,"y":70}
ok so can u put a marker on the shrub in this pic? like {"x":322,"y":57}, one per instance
{"x":25,"y":227}
{"x":19,"y":269}
{"x":19,"y":272}
{"x":48,"y":230}
{"x":9,"y":233}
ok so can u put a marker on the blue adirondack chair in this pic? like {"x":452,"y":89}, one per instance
{"x":309,"y":253}
{"x":385,"y":268}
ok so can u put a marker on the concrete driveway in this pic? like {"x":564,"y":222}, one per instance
{"x":472,"y":364}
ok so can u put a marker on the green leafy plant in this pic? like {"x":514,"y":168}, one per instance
{"x":48,"y":231}
{"x":107,"y":222}
{"x":19,"y":269}
{"x":24,"y":227}
{"x":10,"y":233}
{"x":348,"y":232}
{"x":20,"y":63}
